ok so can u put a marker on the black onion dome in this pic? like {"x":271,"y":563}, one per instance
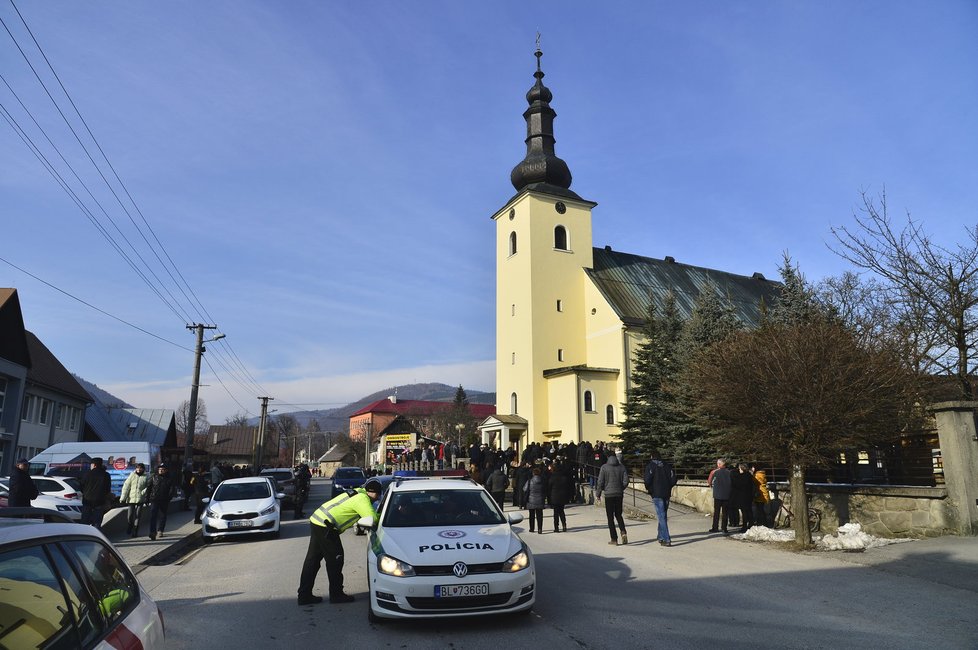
{"x":541,"y":164}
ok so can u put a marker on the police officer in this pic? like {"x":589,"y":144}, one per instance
{"x":328,"y":522}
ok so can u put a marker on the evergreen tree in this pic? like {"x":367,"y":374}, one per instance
{"x":711,"y":322}
{"x":649,"y":412}
{"x":798,"y":303}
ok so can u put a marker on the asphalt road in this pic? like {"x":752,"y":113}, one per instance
{"x":704,"y":591}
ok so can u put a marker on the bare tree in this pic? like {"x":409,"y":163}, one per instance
{"x":932,"y":291}
{"x":239,"y":419}
{"x":182,"y":416}
{"x":799,"y":392}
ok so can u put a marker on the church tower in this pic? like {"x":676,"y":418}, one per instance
{"x":543,"y":245}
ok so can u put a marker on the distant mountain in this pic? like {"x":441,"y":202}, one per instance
{"x":102,"y":397}
{"x":338,"y":419}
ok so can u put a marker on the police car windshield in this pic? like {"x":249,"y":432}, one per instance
{"x":441,"y":508}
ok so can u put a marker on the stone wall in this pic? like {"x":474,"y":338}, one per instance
{"x":884,"y":511}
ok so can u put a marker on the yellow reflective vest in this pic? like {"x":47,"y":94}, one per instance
{"x":343,"y":511}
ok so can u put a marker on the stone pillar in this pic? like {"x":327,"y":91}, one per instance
{"x":958,"y":436}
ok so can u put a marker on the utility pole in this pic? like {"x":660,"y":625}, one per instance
{"x":188,"y":452}
{"x":366,"y":457}
{"x":261,"y":433}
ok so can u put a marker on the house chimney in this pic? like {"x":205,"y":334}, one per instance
{"x":670,"y":259}
{"x":758,"y":276}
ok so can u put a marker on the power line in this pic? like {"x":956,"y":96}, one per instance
{"x":87,"y":304}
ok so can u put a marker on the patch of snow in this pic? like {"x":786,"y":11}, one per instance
{"x":849,"y":537}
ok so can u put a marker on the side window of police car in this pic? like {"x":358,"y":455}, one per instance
{"x":114,"y":587}
{"x":33,"y":610}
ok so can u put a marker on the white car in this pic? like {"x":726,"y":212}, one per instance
{"x":56,"y":493}
{"x":65,"y":586}
{"x":443,"y":548}
{"x":241,"y":507}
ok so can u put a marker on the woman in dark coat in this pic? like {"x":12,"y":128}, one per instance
{"x":742,"y":496}
{"x":561,"y":491}
{"x":520,"y":477}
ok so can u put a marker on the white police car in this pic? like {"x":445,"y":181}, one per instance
{"x":443,"y":548}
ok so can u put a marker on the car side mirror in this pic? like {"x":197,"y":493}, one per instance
{"x":366,"y":522}
{"x":279,"y":495}
{"x":514,"y":517}
{"x":205,"y":500}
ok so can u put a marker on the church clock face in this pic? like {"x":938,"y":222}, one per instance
{"x":560,"y":207}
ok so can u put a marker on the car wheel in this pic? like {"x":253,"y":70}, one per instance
{"x":275,"y":534}
{"x":208,"y":540}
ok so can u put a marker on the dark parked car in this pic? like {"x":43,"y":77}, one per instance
{"x":346,"y":478}
{"x":284,"y":479}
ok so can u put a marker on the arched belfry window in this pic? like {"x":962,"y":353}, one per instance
{"x":609,"y":414}
{"x":560,"y":238}
{"x":588,"y":401}
{"x":512,"y":403}
{"x":512,"y":243}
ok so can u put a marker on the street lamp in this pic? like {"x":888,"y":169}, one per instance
{"x":188,"y":452}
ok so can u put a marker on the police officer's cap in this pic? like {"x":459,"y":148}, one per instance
{"x":373,"y":486}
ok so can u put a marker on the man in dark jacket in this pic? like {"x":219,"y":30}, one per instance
{"x":96,"y":494}
{"x":497,"y":484}
{"x":660,"y":477}
{"x":159,"y":493}
{"x":22,"y":489}
{"x":719,"y":480}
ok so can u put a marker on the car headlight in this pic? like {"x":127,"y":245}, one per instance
{"x":394,"y":567}
{"x":267,"y":511}
{"x":518,"y":562}
{"x":213,"y":515}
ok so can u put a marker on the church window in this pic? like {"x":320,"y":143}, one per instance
{"x":513,"y":360}
{"x":512,"y":403}
{"x":610,"y":414}
{"x":560,"y":238}
{"x":512,"y":243}
{"x":560,"y":306}
{"x":560,"y":354}
{"x":513,"y":309}
{"x":588,"y":401}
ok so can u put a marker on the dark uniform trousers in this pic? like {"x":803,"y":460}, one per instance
{"x":324,"y":546}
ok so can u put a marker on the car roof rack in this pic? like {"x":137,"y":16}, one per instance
{"x":37,"y":515}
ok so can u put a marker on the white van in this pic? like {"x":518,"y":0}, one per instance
{"x":75,"y":459}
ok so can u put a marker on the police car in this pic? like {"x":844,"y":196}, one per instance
{"x":443,"y":548}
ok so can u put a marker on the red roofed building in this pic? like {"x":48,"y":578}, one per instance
{"x":430,"y":417}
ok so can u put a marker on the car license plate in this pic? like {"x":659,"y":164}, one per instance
{"x":240,"y":524}
{"x":460,"y":591}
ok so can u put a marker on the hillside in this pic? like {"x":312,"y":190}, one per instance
{"x":101,"y":397}
{"x":338,"y":419}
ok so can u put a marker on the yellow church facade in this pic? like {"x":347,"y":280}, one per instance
{"x":569,"y":316}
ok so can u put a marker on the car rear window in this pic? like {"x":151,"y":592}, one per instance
{"x":349,"y":473}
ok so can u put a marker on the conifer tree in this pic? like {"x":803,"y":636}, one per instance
{"x":649,"y":410}
{"x":711,"y":322}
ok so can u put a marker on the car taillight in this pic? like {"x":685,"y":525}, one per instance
{"x":70,"y":495}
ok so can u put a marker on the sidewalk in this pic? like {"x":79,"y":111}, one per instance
{"x":138,"y":550}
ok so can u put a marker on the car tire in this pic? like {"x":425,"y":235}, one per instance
{"x":208,"y":540}
{"x":275,"y":534}
{"x":371,"y":616}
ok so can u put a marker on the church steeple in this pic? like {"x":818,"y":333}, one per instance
{"x":541,"y":168}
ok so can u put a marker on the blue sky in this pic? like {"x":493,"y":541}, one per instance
{"x":323,"y":173}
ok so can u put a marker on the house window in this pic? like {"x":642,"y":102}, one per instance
{"x":588,"y":401}
{"x":43,"y":411}
{"x":27,"y":412}
{"x":560,"y":238}
{"x":3,"y":395}
{"x":560,"y":305}
{"x":62,"y":421}
{"x":512,"y":404}
{"x":560,"y":354}
{"x":512,"y":243}
{"x":609,"y":414}
{"x":75,"y":419}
